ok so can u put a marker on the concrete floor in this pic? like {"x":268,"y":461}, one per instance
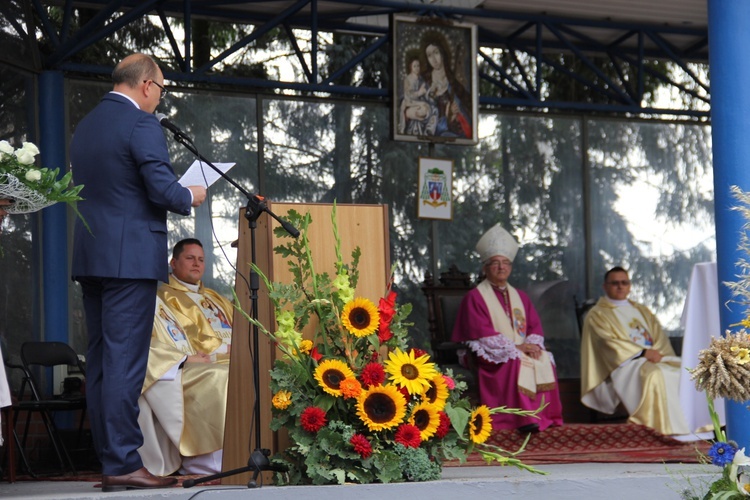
{"x":569,"y":481}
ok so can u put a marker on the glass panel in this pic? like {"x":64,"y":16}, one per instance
{"x":321,"y":152}
{"x":82,"y":98}
{"x":223,"y":129}
{"x":652,"y":208}
{"x":18,"y":293}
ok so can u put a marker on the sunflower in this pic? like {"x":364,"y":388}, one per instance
{"x":360,"y":317}
{"x":437,"y":393}
{"x":381,"y":407}
{"x":410,"y":373}
{"x":480,"y":425}
{"x":426,"y":418}
{"x":330,"y":373}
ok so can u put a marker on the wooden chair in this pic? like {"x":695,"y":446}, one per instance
{"x":443,"y":301}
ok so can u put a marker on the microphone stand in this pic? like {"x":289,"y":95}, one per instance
{"x":256,"y":205}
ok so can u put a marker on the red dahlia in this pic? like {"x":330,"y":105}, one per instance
{"x":444,"y":426}
{"x":361,"y":445}
{"x":418,"y":352}
{"x":373,"y":374}
{"x":408,"y":435}
{"x":313,"y":419}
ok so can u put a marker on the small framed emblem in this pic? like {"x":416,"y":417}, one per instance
{"x":435,"y":197}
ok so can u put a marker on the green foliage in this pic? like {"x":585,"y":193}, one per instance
{"x":417,"y":465}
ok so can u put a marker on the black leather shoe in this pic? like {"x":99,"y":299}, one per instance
{"x":138,"y":480}
{"x":528,"y":428}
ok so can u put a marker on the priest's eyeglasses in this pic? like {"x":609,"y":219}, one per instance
{"x":616,"y":283}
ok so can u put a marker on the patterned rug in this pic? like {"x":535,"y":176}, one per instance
{"x":613,"y":443}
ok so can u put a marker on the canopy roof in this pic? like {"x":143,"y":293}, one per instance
{"x":629,"y":35}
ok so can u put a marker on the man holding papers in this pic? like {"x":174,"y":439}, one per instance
{"x":119,"y":153}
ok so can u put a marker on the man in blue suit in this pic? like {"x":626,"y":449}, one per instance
{"x":119,"y":153}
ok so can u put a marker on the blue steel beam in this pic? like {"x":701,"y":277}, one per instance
{"x":46,"y":23}
{"x":531,"y":37}
{"x":298,"y":52}
{"x":172,"y":40}
{"x":357,"y":59}
{"x":68,"y":47}
{"x":257,"y":33}
{"x":728,"y":21}
{"x":211,"y":8}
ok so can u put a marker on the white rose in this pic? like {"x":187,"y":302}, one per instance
{"x":24,"y":157}
{"x":33,"y":175}
{"x":30,"y":147}
{"x":739,"y":472}
{"x":5,"y":148}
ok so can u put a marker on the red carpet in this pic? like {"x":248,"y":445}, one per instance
{"x":577,"y":443}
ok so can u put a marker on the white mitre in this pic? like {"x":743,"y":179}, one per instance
{"x":497,"y":241}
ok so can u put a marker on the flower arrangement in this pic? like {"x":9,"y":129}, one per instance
{"x":720,"y":368}
{"x":358,"y":404}
{"x":30,"y":187}
{"x":723,"y":371}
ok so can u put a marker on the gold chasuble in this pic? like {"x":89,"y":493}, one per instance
{"x":612,"y":370}
{"x":209,"y":316}
{"x":535,"y":374}
{"x":183,"y":406}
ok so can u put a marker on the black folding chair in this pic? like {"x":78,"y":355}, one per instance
{"x":48,"y":355}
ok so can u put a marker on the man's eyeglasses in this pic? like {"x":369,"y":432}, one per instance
{"x":163,"y":90}
{"x":615,"y":283}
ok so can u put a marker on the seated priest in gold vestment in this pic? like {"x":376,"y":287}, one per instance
{"x":183,"y":402}
{"x":209,"y":315}
{"x":626,"y":357}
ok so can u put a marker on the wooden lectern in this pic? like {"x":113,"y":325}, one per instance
{"x":364,"y":226}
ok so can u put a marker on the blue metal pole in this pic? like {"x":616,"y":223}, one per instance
{"x":55,"y":274}
{"x":730,"y":118}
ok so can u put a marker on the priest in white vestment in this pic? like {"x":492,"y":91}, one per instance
{"x":626,"y":357}
{"x":183,"y":402}
{"x":208,"y":314}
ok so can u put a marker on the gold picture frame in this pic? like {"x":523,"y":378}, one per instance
{"x":434,"y":84}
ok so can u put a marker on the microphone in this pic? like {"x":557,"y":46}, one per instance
{"x":164,"y":121}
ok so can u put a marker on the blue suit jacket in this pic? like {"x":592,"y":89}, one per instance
{"x":119,"y":153}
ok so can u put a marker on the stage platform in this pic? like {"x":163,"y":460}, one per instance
{"x":613,"y":481}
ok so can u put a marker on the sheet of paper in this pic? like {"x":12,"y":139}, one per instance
{"x":200,"y":174}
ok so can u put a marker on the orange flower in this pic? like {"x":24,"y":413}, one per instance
{"x":350,"y":388}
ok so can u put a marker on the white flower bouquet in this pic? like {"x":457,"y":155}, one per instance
{"x":32,"y":188}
